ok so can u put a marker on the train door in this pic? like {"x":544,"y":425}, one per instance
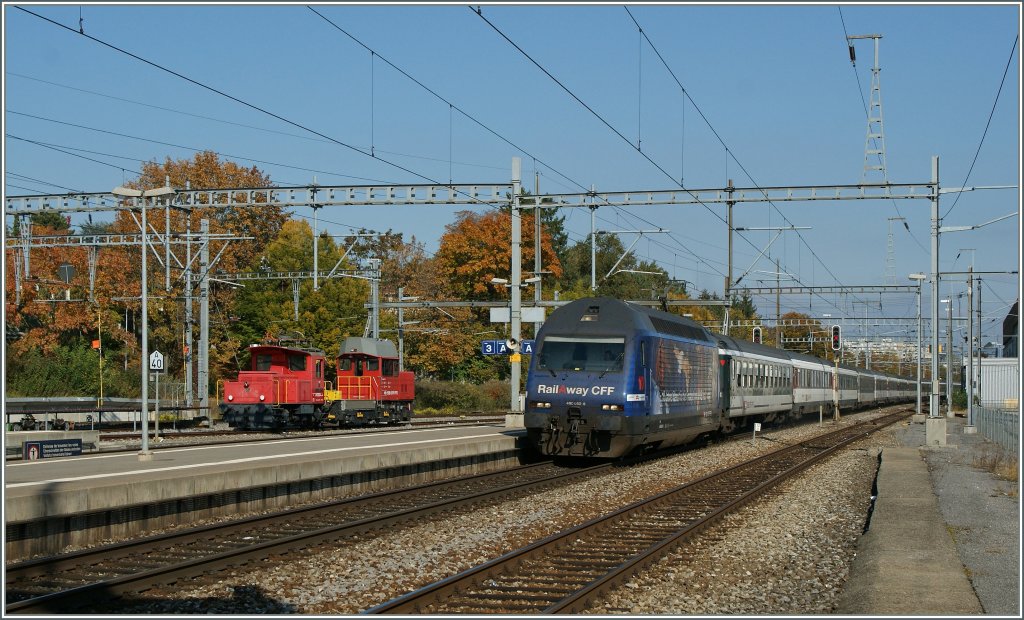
{"x":725,"y":381}
{"x":643,"y":376}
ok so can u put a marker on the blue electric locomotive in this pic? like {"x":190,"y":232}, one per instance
{"x":608,"y":376}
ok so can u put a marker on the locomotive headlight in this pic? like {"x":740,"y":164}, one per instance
{"x":611,"y":407}
{"x":262,"y":397}
{"x":540,"y":405}
{"x":231,"y":397}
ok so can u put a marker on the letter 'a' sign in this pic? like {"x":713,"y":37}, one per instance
{"x":156,"y":361}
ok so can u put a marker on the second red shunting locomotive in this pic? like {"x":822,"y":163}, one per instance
{"x":371,"y":388}
{"x":285,"y":387}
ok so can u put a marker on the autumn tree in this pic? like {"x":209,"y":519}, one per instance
{"x":52,"y":318}
{"x":476,"y":248}
{"x":45,"y":321}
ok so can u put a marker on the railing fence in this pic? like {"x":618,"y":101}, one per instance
{"x":1000,"y":426}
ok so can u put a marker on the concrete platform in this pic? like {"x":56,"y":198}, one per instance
{"x":907,"y":562}
{"x":53,"y":503}
{"x":13,"y":441}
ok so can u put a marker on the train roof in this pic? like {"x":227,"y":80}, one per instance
{"x":374,"y":347}
{"x":607,"y":315}
{"x":804,"y":357}
{"x":746,"y":346}
{"x":288,"y":346}
{"x":289,"y":341}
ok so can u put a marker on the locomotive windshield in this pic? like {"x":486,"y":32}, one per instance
{"x":593,"y":354}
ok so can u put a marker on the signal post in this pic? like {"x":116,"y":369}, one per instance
{"x":837,"y":349}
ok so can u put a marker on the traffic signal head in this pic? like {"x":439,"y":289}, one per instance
{"x":837,"y":338}
{"x":757,"y":335}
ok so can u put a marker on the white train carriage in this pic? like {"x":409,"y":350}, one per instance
{"x":812,"y":384}
{"x":760,"y":382}
{"x":849,"y":395}
{"x":866,"y":388}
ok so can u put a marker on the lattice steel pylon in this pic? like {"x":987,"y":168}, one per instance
{"x":876,"y":129}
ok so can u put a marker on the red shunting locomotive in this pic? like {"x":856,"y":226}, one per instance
{"x":370,"y":387}
{"x":285,"y":387}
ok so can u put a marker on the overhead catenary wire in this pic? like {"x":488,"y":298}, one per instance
{"x":217,"y":91}
{"x":35,"y":180}
{"x":245,"y":125}
{"x":618,"y":133}
{"x":452,"y":106}
{"x":49,"y":146}
{"x":988,"y":123}
{"x":728,"y":152}
{"x":195,"y":149}
{"x":252,"y":106}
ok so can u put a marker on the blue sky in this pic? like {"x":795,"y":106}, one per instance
{"x":775,"y":83}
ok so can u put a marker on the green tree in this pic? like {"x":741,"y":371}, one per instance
{"x":630,"y":278}
{"x":325,"y":315}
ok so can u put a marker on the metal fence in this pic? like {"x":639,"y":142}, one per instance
{"x":1001,"y":426}
{"x":1000,"y":382}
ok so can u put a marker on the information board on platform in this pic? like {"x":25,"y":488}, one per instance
{"x":51,"y":448}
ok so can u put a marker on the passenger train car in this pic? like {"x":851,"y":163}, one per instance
{"x":608,"y":378}
{"x":285,"y":387}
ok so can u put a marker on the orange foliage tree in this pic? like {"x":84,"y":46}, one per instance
{"x":473,"y":249}
{"x":44,"y":322}
{"x":476,"y":248}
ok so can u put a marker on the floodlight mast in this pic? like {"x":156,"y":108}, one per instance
{"x":140,"y":196}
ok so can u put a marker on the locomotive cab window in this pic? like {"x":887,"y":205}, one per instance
{"x":372,"y":364}
{"x":263,"y":361}
{"x":296,"y":362}
{"x":390,"y":368}
{"x":590,"y":354}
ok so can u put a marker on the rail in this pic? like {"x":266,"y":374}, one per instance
{"x":568,"y":571}
{"x":65,"y":583}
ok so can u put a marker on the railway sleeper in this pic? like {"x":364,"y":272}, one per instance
{"x":513,"y":595}
{"x":560,"y":580}
{"x":584,"y":565}
{"x":549,"y":588}
{"x":473,"y":605}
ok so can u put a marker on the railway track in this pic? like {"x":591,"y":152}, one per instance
{"x":80,"y":580}
{"x":75,"y":581}
{"x":568,"y":571}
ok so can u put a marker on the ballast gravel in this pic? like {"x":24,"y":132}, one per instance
{"x":787,"y":553}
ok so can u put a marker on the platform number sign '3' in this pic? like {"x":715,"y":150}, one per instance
{"x":156,"y":361}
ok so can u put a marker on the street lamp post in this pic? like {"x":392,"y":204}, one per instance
{"x":949,"y":356}
{"x":969,"y":382}
{"x":919,"y":277}
{"x":141,"y":195}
